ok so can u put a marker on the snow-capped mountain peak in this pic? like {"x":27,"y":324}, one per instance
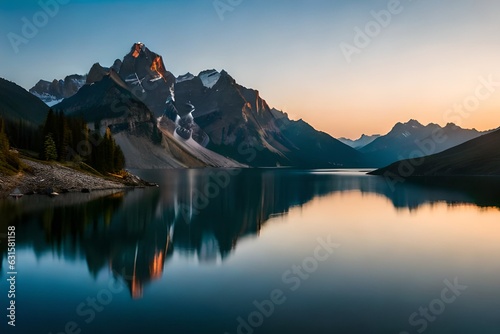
{"x":209,"y":78}
{"x":186,"y":77}
{"x":52,"y":92}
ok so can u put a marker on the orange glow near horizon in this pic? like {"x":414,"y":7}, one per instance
{"x":408,"y":71}
{"x":394,"y":80}
{"x":370,"y":106}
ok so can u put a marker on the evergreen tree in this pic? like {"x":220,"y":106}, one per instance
{"x":107,"y":156}
{"x":9,"y":161}
{"x":98,"y":157}
{"x":4,"y":141}
{"x":49,"y":128}
{"x":50,"y":149}
{"x":50,"y":125}
{"x":23,"y":135}
{"x":108,"y":148}
{"x":63,"y":137}
{"x":119,"y":159}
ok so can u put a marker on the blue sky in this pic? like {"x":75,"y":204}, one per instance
{"x":428,"y":58}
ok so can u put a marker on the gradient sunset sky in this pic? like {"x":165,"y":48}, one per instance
{"x":429,"y":58}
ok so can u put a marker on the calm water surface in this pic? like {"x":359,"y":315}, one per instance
{"x":336,"y":251}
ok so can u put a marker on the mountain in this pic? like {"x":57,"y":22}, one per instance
{"x":480,"y":156}
{"x":210,"y":120}
{"x":146,"y":76}
{"x":240,"y":124}
{"x":52,"y":92}
{"x":211,"y":115}
{"x":97,"y":72}
{"x":115,"y":100}
{"x":18,"y":104}
{"x":414,"y":140}
{"x":360,"y":142}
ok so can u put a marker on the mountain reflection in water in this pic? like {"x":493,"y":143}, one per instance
{"x":198,"y":214}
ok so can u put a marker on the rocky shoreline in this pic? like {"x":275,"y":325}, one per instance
{"x":45,"y":178}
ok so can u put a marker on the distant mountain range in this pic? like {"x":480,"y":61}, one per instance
{"x":414,"y":140}
{"x":360,"y":142}
{"x":480,"y":156}
{"x":163,"y":121}
{"x":206,"y":119}
{"x":52,"y":92}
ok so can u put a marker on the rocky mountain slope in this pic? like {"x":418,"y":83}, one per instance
{"x":17,"y":104}
{"x":123,"y":101}
{"x":241,"y":125}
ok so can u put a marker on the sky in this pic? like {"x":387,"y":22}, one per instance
{"x":346,"y":67}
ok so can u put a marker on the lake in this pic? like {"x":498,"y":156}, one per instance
{"x":258,"y":251}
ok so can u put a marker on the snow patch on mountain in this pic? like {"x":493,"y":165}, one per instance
{"x":49,"y":100}
{"x":52,"y":92}
{"x":79,"y":82}
{"x":209,"y":78}
{"x":186,"y":77}
{"x":53,"y":102}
